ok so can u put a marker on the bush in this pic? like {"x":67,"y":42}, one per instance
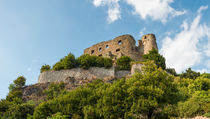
{"x":54,"y":90}
{"x":58,"y":115}
{"x":58,"y":66}
{"x":19,"y":82}
{"x":172,"y":71}
{"x":45,"y":68}
{"x":108,"y":62}
{"x":104,"y":62}
{"x":123,"y":63}
{"x":14,"y":95}
{"x":20,"y":111}
{"x":68,"y":62}
{"x":189,"y":73}
{"x":86,"y":61}
{"x":155,"y":56}
{"x":198,"y":104}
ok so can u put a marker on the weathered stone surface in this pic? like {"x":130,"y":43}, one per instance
{"x":76,"y":75}
{"x":149,"y":42}
{"x":124,"y":45}
{"x":136,"y":68}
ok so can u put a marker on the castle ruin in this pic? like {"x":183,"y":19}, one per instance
{"x":124,"y":45}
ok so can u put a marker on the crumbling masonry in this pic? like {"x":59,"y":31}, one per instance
{"x":124,"y":45}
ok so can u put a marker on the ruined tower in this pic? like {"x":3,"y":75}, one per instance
{"x":149,"y":42}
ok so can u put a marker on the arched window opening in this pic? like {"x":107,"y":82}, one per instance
{"x":119,"y":42}
{"x":92,"y":51}
{"x":117,"y":50}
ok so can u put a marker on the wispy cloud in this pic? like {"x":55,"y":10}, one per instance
{"x":155,"y":9}
{"x":183,"y":51}
{"x":114,"y":12}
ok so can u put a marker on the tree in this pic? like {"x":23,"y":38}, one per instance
{"x":150,"y":90}
{"x":172,"y":71}
{"x":69,"y":61}
{"x":189,"y":73}
{"x":20,"y":82}
{"x":123,"y":63}
{"x":156,"y":57}
{"x":45,"y":68}
{"x":11,"y":87}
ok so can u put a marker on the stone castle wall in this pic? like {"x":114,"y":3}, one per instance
{"x":78,"y":74}
{"x":124,"y":45}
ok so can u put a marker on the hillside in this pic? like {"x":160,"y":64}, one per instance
{"x":152,"y":92}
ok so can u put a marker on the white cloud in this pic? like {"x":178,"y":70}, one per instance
{"x":182,"y":51}
{"x":202,"y":8}
{"x":155,"y":9}
{"x":114,"y":12}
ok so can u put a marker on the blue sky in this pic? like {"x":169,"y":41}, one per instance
{"x":37,"y":32}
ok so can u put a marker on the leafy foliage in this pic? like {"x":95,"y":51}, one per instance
{"x":153,"y":93}
{"x":55,"y":89}
{"x":124,"y":63}
{"x":20,"y":82}
{"x":45,"y":68}
{"x":189,"y":73}
{"x":171,"y":71}
{"x":68,"y":62}
{"x":86,"y":61}
{"x":156,"y":57}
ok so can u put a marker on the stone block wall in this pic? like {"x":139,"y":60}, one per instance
{"x":124,"y":45}
{"x":78,"y":74}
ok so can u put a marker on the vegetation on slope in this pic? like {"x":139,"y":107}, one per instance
{"x":154,"y":93}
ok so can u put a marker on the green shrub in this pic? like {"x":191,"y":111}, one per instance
{"x":156,"y":57}
{"x":14,"y":95}
{"x":45,"y":68}
{"x":68,"y":62}
{"x":171,"y":71}
{"x":104,"y":62}
{"x":54,"y":90}
{"x":11,"y":87}
{"x":86,"y":61}
{"x":108,"y":62}
{"x":19,"y":82}
{"x":20,"y":111}
{"x":198,"y":104}
{"x":58,"y":115}
{"x":189,"y":73}
{"x":58,"y":66}
{"x":124,"y":63}
{"x":100,"y":62}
